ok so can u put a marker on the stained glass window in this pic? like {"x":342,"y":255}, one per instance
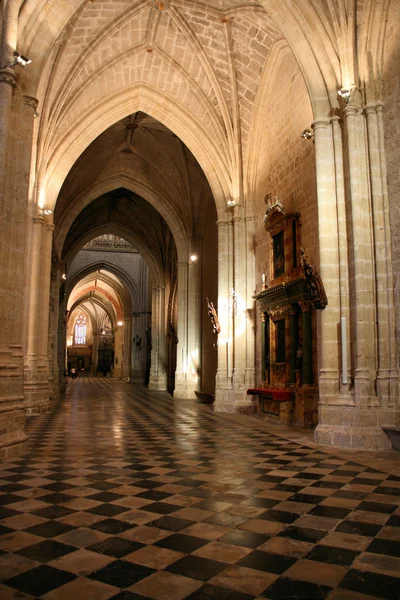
{"x":80,"y":330}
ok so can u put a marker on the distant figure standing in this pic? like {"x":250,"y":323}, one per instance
{"x":73,"y":373}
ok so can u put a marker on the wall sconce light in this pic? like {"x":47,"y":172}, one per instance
{"x":119,"y":323}
{"x":307,"y":134}
{"x":20,"y":60}
{"x":345,"y":94}
{"x":231,"y":203}
{"x":46,"y":212}
{"x":193,"y":258}
{"x":64,"y":276}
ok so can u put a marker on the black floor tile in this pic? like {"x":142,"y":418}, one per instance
{"x":5,"y":530}
{"x":279,"y":516}
{"x":387,"y":547}
{"x":52,"y":512}
{"x":125,"y":595}
{"x":171,"y":523}
{"x":364,"y":582}
{"x":105,"y":497}
{"x":46,"y":551}
{"x":293,"y":589}
{"x":182,"y":543}
{"x":333,"y":485}
{"x":101,"y":485}
{"x":307,"y":498}
{"x":368,"y":529}
{"x":212,"y":592}
{"x":121,"y":574}
{"x":197,"y":567}
{"x":154,"y":495}
{"x":261,"y":502}
{"x":9,"y":499}
{"x":333,"y":512}
{"x":8,"y":512}
{"x":394,"y":521}
{"x":303,"y":534}
{"x":112,"y":526}
{"x":162,"y":508}
{"x":49,"y":529}
{"x":379,"y":507}
{"x":387,"y":491}
{"x":271,"y":563}
{"x":56,"y":498}
{"x":58,"y":486}
{"x":40,"y":580}
{"x":332,"y":555}
{"x":108,"y":510}
{"x":115,"y":546}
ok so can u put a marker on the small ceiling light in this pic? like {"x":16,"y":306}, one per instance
{"x":20,"y":60}
{"x":193,"y":258}
{"x":231,"y":203}
{"x":345,"y":94}
{"x":307,"y":134}
{"x":119,"y":323}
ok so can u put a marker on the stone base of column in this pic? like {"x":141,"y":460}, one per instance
{"x":36,"y":388}
{"x":232,"y":401}
{"x":158,"y":381}
{"x":13,"y":439}
{"x":185,"y":388}
{"x":352,"y":427}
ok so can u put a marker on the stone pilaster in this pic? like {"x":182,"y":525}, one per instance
{"x":36,"y":362}
{"x":13,"y":203}
{"x":187,"y":379}
{"x":158,"y":370}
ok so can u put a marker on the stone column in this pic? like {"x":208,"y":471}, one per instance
{"x":387,"y":388}
{"x":332,"y":397}
{"x":188,"y":365}
{"x":127,"y":352}
{"x":36,"y":363}
{"x":225,"y":283}
{"x":251,"y":313}
{"x":307,"y":343}
{"x":182,"y":327}
{"x":13,"y":203}
{"x":95,"y":353}
{"x":293,"y":345}
{"x":158,"y":371}
{"x":240,"y":302}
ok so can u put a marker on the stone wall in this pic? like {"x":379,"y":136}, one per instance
{"x":391,"y":98}
{"x":286,"y":168}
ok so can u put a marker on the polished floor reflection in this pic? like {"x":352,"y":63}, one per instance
{"x":127,"y":494}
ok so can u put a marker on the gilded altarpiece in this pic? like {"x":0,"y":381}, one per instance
{"x":287,"y":305}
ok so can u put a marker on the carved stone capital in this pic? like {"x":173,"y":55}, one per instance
{"x":7,"y":75}
{"x":32,"y":102}
{"x":279,"y":312}
{"x":305,"y":306}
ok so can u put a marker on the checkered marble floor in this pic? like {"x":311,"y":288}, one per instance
{"x":130,"y":495}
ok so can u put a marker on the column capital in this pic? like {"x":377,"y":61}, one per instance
{"x":351,"y":110}
{"x":321,"y":124}
{"x":369,"y":109}
{"x":7,"y":75}
{"x":38,"y":220}
{"x":50,"y":227}
{"x":305,"y":306}
{"x":31,"y":101}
